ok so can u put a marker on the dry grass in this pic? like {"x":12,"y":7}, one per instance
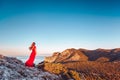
{"x":58,"y":68}
{"x":55,"y":68}
{"x":96,"y":70}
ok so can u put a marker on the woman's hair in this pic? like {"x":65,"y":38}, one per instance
{"x":33,"y":44}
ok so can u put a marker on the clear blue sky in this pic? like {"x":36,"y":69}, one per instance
{"x":56,"y":25}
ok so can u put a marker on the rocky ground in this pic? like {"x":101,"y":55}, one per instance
{"x":14,"y":69}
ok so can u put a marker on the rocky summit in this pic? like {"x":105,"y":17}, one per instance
{"x":68,"y":55}
{"x":14,"y":69}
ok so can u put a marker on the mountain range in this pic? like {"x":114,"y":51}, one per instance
{"x":68,"y":55}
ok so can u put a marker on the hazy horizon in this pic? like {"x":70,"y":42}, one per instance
{"x":56,"y":25}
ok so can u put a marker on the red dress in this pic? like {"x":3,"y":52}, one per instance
{"x":30,"y":61}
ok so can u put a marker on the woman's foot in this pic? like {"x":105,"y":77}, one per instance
{"x":33,"y":64}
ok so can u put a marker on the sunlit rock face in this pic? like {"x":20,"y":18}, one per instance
{"x":52,"y":58}
{"x":68,"y":55}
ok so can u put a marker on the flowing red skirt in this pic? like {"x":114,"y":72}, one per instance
{"x":30,"y":61}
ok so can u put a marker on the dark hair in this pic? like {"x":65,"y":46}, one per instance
{"x":33,"y":44}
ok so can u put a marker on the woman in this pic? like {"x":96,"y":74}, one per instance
{"x":30,"y":61}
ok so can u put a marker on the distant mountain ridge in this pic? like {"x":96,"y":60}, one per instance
{"x":111,"y":54}
{"x":72,"y":54}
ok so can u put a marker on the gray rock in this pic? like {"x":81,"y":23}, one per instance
{"x":13,"y":69}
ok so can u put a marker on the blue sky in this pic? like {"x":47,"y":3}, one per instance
{"x":56,"y":25}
